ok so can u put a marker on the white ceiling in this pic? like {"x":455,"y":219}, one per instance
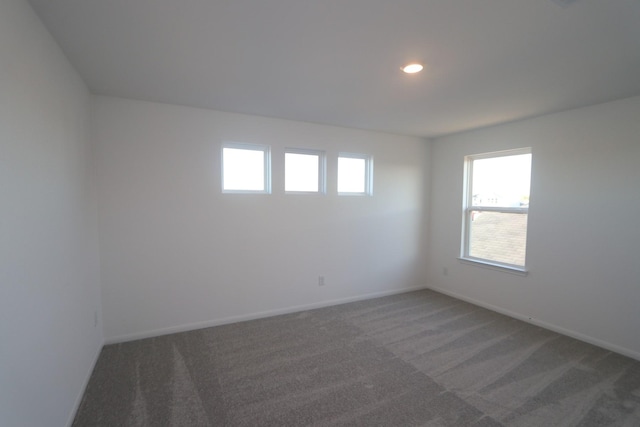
{"x":338,"y":61}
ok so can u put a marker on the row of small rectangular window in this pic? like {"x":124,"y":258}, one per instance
{"x":246,"y":168}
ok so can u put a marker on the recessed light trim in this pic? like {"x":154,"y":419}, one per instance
{"x":413,"y":68}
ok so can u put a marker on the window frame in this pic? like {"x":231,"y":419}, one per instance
{"x":322,"y":169}
{"x":368,"y":174}
{"x":468,"y":207}
{"x":265,"y":149}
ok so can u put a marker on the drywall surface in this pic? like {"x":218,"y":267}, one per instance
{"x":49,"y":272}
{"x":583,"y":235}
{"x":176,"y":252}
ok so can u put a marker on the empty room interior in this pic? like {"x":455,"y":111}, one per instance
{"x":290,"y":213}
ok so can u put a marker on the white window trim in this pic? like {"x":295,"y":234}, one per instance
{"x":322,"y":169}
{"x":468,"y":207}
{"x":368,"y":174}
{"x":506,"y":268}
{"x":267,"y":166}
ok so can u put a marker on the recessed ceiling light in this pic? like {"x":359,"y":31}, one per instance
{"x":412,"y":68}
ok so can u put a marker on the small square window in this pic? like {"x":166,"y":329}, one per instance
{"x":304,"y":171}
{"x":245,"y":168}
{"x":355,"y":174}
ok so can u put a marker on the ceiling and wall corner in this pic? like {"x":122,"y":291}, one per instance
{"x":335,"y":62}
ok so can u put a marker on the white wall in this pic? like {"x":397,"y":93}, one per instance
{"x":584,"y":223}
{"x":177,"y":253}
{"x":49,"y":273}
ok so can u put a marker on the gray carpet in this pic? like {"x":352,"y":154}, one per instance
{"x":416,"y":359}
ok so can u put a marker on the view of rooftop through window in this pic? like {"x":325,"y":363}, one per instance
{"x":496,"y":212}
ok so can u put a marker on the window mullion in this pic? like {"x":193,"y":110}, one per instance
{"x":499,"y":209}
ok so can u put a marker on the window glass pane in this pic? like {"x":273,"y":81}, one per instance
{"x":301,"y":172}
{"x":498,"y":236}
{"x":243,"y":169}
{"x":501,"y":181}
{"x":351,"y":175}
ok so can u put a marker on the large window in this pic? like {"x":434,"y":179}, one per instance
{"x":496,"y":208}
{"x":355,"y":174}
{"x":245,"y":168}
{"x":304,"y":171}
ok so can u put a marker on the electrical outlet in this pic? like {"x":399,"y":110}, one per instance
{"x":320,"y":280}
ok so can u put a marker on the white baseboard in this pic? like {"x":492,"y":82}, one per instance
{"x":586,"y":338}
{"x":252,"y":316}
{"x":78,"y":401}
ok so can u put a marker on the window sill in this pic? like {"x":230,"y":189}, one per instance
{"x":495,"y":266}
